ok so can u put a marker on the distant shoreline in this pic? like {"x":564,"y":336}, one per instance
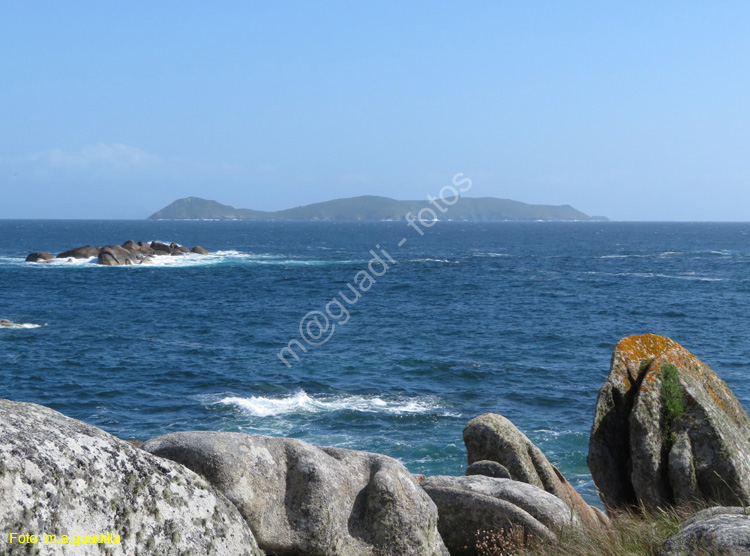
{"x":371,"y":208}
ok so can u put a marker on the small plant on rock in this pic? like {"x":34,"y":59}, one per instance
{"x":672,"y":400}
{"x":500,"y":542}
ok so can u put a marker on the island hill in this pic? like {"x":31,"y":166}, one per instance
{"x":374,"y":208}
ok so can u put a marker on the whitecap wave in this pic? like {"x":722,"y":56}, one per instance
{"x":430,"y":260}
{"x":19,"y":326}
{"x":302,"y":402}
{"x":689,"y":276}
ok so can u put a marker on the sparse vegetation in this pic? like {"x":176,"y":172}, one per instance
{"x":672,"y":400}
{"x":496,"y":542}
{"x":632,"y":533}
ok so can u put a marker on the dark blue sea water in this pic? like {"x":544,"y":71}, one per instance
{"x":518,"y":319}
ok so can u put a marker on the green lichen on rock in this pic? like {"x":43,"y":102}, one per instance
{"x":672,"y":400}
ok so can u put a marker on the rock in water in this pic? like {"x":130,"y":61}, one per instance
{"x":176,"y":249}
{"x":40,"y":256}
{"x":303,"y":499}
{"x":468,"y":505}
{"x":667,"y":430}
{"x":493,"y":437}
{"x":720,"y":530}
{"x":160,"y":248}
{"x":59,"y":476}
{"x":198,"y":250}
{"x":85,"y":252}
{"x":117,"y":255}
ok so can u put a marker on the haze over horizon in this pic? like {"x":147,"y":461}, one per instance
{"x":631,"y":111}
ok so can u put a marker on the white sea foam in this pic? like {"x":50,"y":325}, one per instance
{"x":68,"y":262}
{"x":17,"y":326}
{"x":494,"y":255}
{"x":191,"y":259}
{"x":301,"y":402}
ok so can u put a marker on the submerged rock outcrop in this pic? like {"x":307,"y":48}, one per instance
{"x":129,"y":253}
{"x":59,"y":476}
{"x":493,"y":437}
{"x":318,"y":501}
{"x":667,"y":430}
{"x":39,"y":257}
{"x":85,"y":252}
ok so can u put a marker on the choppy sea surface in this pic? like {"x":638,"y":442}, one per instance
{"x":514,"y":318}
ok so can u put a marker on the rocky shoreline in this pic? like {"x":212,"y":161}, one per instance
{"x":127,"y":253}
{"x":667,"y":431}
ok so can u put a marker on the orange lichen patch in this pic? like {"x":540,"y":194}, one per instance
{"x":646,"y":346}
{"x":631,"y":353}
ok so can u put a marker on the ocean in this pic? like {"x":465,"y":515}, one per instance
{"x":512,"y":318}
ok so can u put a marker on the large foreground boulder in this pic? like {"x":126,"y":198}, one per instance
{"x":667,"y":430}
{"x":59,"y":476}
{"x":302,"y":499}
{"x":721,"y":530}
{"x":493,"y":437}
{"x":468,"y":506}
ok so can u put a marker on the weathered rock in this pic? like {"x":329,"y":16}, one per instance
{"x":198,"y":250}
{"x":645,"y":451}
{"x":85,"y":252}
{"x":467,"y":505}
{"x":488,"y":469}
{"x":160,"y":248}
{"x":178,"y":249}
{"x":59,"y":476}
{"x":302,"y":499}
{"x":40,"y":256}
{"x":493,"y":437}
{"x":141,"y":248}
{"x":721,"y":530}
{"x":116,"y":255}
{"x":5,"y":322}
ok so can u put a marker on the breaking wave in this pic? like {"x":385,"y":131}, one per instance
{"x":302,"y":402}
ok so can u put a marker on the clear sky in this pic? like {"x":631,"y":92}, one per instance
{"x":635,"y":110}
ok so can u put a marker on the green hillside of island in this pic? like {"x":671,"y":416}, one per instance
{"x":374,"y":208}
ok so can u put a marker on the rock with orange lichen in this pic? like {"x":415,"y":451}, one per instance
{"x":667,"y":430}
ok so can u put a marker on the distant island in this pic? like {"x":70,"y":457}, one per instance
{"x":374,"y":208}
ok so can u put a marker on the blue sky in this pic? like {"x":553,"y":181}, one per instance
{"x":634,"y":110}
